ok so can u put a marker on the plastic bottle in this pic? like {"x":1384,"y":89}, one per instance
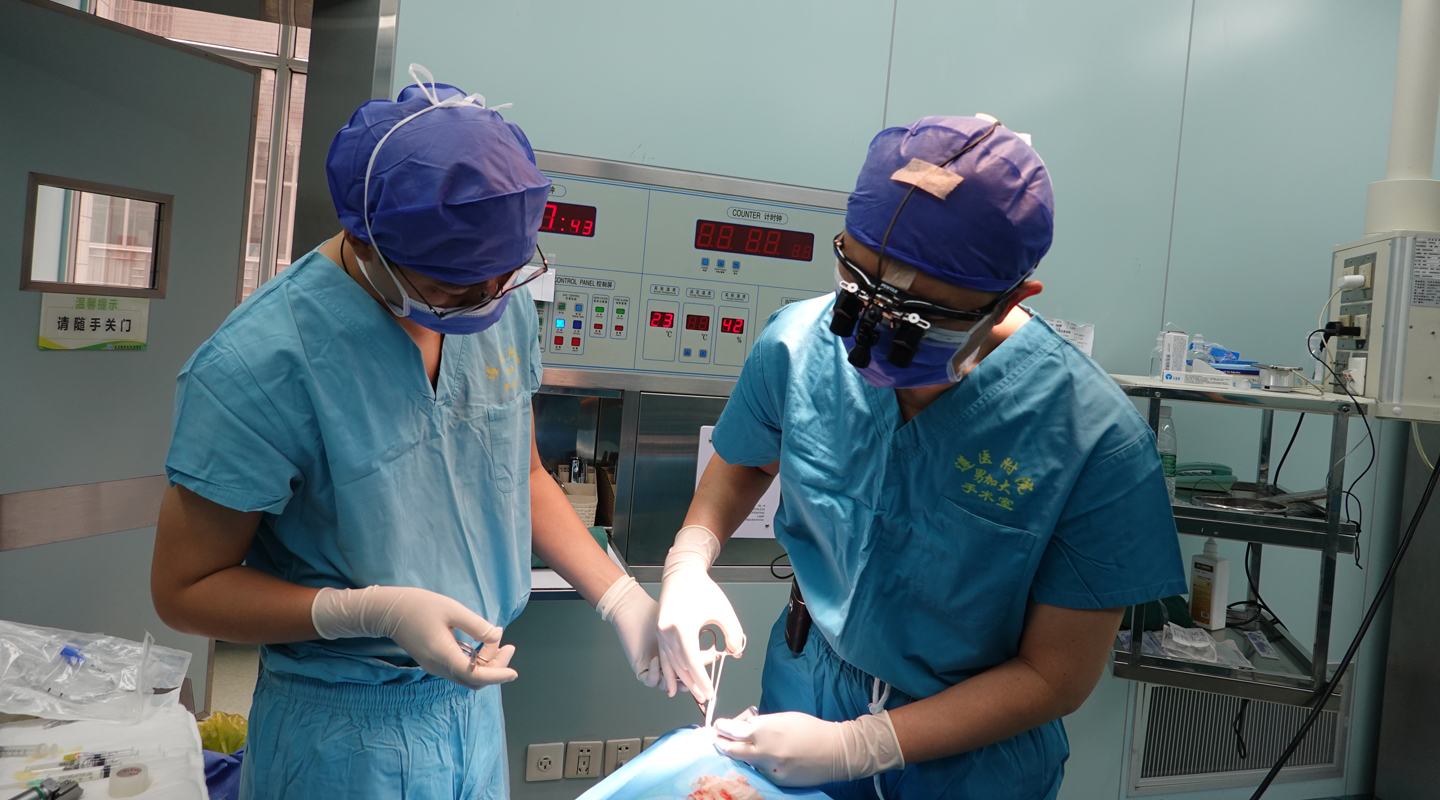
{"x":1199,"y":350}
{"x":1209,"y":587}
{"x":1157,"y":356}
{"x":1168,"y":445}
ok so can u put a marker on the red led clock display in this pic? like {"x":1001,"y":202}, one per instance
{"x":569,"y":219}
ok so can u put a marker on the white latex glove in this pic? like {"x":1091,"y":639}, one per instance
{"x":421,"y":622}
{"x":626,"y":606}
{"x":690,"y":600}
{"x":794,"y":749}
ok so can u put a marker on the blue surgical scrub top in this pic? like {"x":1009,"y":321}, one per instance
{"x":918,"y":545}
{"x":312,"y":405}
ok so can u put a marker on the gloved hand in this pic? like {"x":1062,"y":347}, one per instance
{"x":626,"y":606}
{"x":420,"y":621}
{"x":690,"y":600}
{"x":794,"y":749}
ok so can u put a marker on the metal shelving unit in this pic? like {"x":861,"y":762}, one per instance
{"x":1296,"y":677}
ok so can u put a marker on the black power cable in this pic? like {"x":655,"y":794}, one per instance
{"x":1259,"y":602}
{"x":1238,"y":727}
{"x":1386,"y":586}
{"x":1275,"y":479}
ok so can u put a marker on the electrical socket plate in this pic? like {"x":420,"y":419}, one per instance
{"x":618,"y":752}
{"x":543,"y":762}
{"x":649,"y":740}
{"x":582,"y":759}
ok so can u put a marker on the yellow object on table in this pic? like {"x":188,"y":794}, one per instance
{"x":223,"y":733}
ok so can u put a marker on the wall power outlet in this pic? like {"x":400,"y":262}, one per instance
{"x":582,"y":759}
{"x":618,"y":752}
{"x":544,"y":762}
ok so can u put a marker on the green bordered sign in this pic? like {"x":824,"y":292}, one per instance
{"x":91,"y":322}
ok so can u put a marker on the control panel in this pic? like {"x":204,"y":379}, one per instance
{"x":666,"y":272}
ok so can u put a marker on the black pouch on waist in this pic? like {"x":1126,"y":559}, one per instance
{"x":797,"y":620}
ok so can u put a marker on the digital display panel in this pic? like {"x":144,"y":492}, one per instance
{"x":728,"y":237}
{"x":732,"y":325}
{"x":569,"y":219}
{"x":662,"y":319}
{"x":697,"y":322}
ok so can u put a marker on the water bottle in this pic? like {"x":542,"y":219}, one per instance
{"x":1166,"y":443}
{"x":1199,"y":350}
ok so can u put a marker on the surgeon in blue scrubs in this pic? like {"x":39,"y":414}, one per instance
{"x":968,"y":500}
{"x":354,"y":481}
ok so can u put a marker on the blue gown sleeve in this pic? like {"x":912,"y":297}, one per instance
{"x":1115,"y":542}
{"x":229,"y":444}
{"x":748,"y":432}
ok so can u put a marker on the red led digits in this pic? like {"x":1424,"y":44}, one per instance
{"x":568,"y":219}
{"x":697,"y":322}
{"x":662,"y":319}
{"x":753,"y":240}
{"x":732,"y":325}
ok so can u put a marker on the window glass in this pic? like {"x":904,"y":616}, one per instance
{"x":292,"y":166}
{"x":259,"y":180}
{"x":193,"y":26}
{"x":94,"y":239}
{"x":302,"y":44}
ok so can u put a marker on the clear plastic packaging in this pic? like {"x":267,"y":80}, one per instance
{"x":59,"y":674}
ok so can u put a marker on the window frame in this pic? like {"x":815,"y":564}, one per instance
{"x":164,"y":212}
{"x":285,"y":65}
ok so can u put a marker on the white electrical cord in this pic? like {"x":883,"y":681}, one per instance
{"x":1419,"y":448}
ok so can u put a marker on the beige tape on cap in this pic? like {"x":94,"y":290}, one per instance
{"x":928,"y":178}
{"x":898,"y":275}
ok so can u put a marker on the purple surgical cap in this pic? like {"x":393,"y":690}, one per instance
{"x":987,"y":233}
{"x":454,"y":193}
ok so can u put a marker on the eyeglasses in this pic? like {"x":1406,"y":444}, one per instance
{"x":862,"y":305}
{"x":485,"y":300}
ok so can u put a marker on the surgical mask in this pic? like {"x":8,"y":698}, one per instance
{"x":471,"y":320}
{"x":461,"y":321}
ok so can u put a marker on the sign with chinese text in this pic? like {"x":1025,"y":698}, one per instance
{"x":91,"y":322}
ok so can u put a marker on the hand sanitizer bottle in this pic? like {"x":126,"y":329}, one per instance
{"x":1209,"y":587}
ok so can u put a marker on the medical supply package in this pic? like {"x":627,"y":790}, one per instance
{"x":59,"y":674}
{"x":684,"y":765}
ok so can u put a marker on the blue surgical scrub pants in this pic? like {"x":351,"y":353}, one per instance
{"x":426,"y":740}
{"x":817,"y":682}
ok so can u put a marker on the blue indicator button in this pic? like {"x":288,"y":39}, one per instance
{"x":559,"y":323}
{"x":734,"y":265}
{"x":579,"y":307}
{"x":687,"y":352}
{"x":702,"y":353}
{"x":577,"y":324}
{"x":705,"y":262}
{"x":719,"y":262}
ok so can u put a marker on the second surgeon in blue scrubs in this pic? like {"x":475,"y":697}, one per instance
{"x":968,"y":501}
{"x":354,"y":477}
